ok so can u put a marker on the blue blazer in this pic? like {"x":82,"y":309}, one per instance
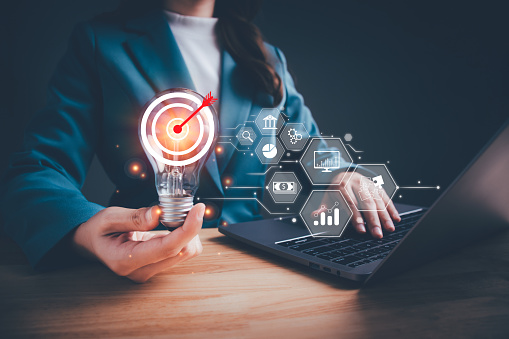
{"x":111,"y":69}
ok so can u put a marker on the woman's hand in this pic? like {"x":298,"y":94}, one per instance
{"x":375,"y":215}
{"x":119,"y":238}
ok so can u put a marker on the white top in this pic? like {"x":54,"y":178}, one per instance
{"x":198,"y":43}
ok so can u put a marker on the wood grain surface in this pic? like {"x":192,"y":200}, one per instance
{"x":233,"y":291}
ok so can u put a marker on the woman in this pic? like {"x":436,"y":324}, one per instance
{"x":113,"y":66}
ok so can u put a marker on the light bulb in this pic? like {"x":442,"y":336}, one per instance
{"x":178,"y":141}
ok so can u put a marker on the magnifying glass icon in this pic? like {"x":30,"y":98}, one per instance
{"x":247,"y":135}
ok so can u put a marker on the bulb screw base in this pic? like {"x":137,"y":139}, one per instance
{"x":174,"y":209}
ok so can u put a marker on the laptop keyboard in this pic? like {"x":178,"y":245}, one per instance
{"x":353,"y":249}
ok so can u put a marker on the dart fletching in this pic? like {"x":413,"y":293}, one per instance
{"x":209,"y":100}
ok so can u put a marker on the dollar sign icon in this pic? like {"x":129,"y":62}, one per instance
{"x":283,"y":186}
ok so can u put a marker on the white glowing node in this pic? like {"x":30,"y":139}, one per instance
{"x":206,"y":125}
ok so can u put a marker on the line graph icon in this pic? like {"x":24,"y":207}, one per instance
{"x":325,"y":160}
{"x":326,"y":213}
{"x":327,"y":216}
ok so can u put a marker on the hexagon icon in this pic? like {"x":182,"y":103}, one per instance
{"x":321,"y":161}
{"x":246,"y":136}
{"x":284,"y":187}
{"x":326,"y":213}
{"x":269,"y":150}
{"x":294,"y":136}
{"x":372,"y":188}
{"x":269,"y":121}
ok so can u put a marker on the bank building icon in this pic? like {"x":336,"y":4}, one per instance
{"x":270,"y":122}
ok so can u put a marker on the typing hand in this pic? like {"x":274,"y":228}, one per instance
{"x":359,"y":196}
{"x":119,"y":238}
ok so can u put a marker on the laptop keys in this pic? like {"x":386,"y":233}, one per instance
{"x":352,"y":249}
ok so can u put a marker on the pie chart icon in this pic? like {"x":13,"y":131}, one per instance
{"x":269,"y":151}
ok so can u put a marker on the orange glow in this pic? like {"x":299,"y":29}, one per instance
{"x":135,"y":169}
{"x":158,"y":211}
{"x":117,"y":191}
{"x":225,"y":223}
{"x":210,"y":212}
{"x":180,"y":253}
{"x":218,"y":253}
{"x":227,"y":181}
{"x":219,"y":149}
{"x":166,"y":135}
{"x":117,"y":146}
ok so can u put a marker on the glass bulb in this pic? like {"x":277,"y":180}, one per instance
{"x":177,"y":154}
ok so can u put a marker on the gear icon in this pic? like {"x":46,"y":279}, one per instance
{"x":294,"y":136}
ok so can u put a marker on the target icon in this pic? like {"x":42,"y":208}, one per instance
{"x":171,"y":130}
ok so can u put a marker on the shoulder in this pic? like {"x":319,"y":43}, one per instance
{"x":276,"y":55}
{"x":110,"y":25}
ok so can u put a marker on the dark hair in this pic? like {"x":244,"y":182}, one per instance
{"x":243,"y":40}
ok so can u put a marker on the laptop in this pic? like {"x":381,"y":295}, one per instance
{"x":473,"y":207}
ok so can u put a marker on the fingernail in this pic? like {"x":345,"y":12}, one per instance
{"x":378,"y":232}
{"x":361,"y":228}
{"x":201,"y":210}
{"x":390,"y":225}
{"x":148,"y":215}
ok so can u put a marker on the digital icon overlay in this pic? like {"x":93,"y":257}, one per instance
{"x":269,"y":121}
{"x":325,"y":160}
{"x":326,"y":213}
{"x":376,"y":184}
{"x":284,"y":187}
{"x":294,"y":136}
{"x":327,"y":216}
{"x":246,"y":136}
{"x":322,"y":159}
{"x":269,"y":150}
{"x":371,"y":187}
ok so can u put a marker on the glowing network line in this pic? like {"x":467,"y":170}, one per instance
{"x":258,"y":201}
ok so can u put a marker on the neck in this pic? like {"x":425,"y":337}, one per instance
{"x":200,"y":8}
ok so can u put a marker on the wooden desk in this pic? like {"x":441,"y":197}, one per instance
{"x":233,"y":291}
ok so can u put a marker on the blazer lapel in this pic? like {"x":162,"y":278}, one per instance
{"x":235,"y":104}
{"x":157,"y":57}
{"x":156,"y":54}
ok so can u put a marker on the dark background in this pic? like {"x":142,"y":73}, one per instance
{"x":421,"y":84}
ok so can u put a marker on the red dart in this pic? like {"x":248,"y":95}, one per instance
{"x":209,"y":100}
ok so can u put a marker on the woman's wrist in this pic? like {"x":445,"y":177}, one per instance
{"x":80,"y":242}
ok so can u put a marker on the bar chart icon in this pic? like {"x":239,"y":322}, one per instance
{"x":327,"y":216}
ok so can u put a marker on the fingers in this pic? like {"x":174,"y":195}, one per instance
{"x":357,"y":221}
{"x":144,"y":236}
{"x":373,"y":223}
{"x":393,"y":212}
{"x":183,"y":235}
{"x":384,"y":216}
{"x":191,"y":250}
{"x":142,"y":253}
{"x":117,"y":219}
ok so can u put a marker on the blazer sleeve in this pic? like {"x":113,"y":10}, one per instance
{"x":41,"y":201}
